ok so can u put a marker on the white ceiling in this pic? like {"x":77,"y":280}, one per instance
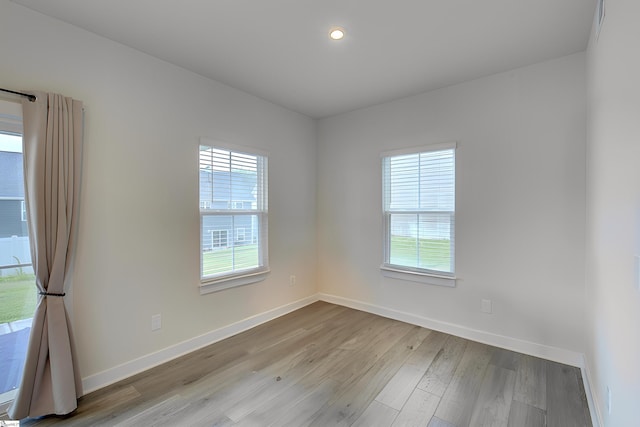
{"x":279,"y":50}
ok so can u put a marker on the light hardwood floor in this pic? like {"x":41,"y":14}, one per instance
{"x":327,"y":365}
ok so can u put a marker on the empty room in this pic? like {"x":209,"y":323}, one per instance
{"x":320,"y":213}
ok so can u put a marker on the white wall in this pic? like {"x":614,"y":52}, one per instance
{"x":138,"y":248}
{"x":613,"y":213}
{"x":520,"y":202}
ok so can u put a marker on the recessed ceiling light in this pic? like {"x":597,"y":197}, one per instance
{"x":336,"y":33}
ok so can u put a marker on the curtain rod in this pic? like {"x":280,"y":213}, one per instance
{"x":31,"y":98}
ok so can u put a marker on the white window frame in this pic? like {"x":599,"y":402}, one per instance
{"x":403,"y":272}
{"x":218,"y":282}
{"x":243,"y":234}
{"x":23,"y":211}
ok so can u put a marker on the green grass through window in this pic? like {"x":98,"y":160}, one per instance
{"x":221,"y":260}
{"x":18,"y":297}
{"x":432,"y":254}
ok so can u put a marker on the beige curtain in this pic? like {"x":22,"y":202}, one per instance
{"x":52,"y":159}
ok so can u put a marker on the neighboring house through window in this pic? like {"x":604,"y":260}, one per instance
{"x":12,"y":207}
{"x":219,"y":239}
{"x":419,"y":214}
{"x":13,"y":213}
{"x":233,"y":216}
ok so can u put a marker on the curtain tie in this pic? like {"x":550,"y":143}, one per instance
{"x":51,"y":294}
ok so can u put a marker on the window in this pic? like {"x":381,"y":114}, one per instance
{"x":18,"y":293}
{"x":233,"y":203}
{"x":419,"y":214}
{"x":219,"y":238}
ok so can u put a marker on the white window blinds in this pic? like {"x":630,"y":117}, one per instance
{"x":419,"y":210}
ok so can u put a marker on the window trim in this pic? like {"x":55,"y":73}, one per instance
{"x":431,"y":277}
{"x":248,"y":276}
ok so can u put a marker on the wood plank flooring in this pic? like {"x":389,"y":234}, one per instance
{"x":327,"y":365}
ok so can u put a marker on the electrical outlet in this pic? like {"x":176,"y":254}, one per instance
{"x":292,"y":280}
{"x":156,"y":322}
{"x":486,"y":306}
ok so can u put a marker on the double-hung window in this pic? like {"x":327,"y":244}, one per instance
{"x":233,"y":216}
{"x":419,"y":214}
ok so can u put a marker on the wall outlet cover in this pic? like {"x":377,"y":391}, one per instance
{"x":486,"y":306}
{"x":156,"y":322}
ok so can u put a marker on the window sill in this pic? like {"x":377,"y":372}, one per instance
{"x":6,"y":399}
{"x":208,"y":286}
{"x":419,"y":277}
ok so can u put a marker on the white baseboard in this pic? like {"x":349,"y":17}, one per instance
{"x":113,"y":375}
{"x":521,"y":346}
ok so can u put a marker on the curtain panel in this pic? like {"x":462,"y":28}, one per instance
{"x":52,"y":152}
